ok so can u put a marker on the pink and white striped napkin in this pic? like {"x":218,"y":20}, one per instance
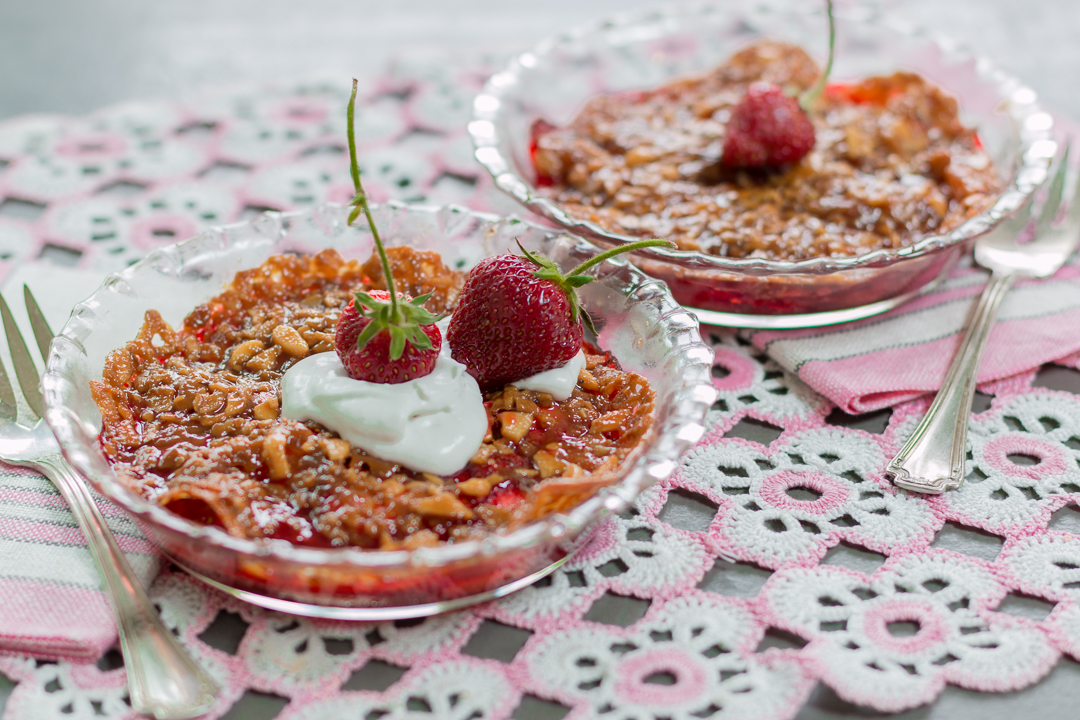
{"x":52,"y":602}
{"x":891,"y":358}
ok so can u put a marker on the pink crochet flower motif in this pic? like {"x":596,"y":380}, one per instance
{"x":1025,"y":455}
{"x":894,"y":640}
{"x":690,"y":658}
{"x":800,"y":497}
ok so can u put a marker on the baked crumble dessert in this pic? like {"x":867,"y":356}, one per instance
{"x":890,"y":163}
{"x":192,"y":420}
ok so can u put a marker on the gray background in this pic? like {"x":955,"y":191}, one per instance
{"x":73,"y":56}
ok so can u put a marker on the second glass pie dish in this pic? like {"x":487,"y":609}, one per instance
{"x":552,"y":82}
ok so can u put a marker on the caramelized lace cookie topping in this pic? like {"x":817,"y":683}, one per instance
{"x":191,"y":420}
{"x":892,"y":163}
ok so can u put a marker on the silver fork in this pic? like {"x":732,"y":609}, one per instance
{"x":163,"y":679}
{"x":932,"y":461}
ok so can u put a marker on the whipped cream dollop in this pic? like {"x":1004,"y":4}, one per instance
{"x":559,"y":382}
{"x":432,"y":424}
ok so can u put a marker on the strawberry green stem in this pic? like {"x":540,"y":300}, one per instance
{"x":807,"y":98}
{"x":629,"y":247}
{"x":569,"y":282}
{"x":360,"y":204}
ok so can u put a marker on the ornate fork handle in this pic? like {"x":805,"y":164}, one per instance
{"x":932,"y":460}
{"x":163,"y":679}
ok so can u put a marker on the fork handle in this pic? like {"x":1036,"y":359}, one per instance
{"x":163,"y":679}
{"x":932,"y":460}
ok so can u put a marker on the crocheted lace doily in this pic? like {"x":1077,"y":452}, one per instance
{"x":674,"y":609}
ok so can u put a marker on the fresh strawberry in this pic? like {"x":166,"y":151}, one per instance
{"x":768,"y":128}
{"x":510,"y":324}
{"x":372,"y":361}
{"x":383,"y":336}
{"x":519,"y":316}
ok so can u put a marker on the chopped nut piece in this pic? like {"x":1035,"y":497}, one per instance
{"x":273,"y":452}
{"x":264,"y":360}
{"x":335,"y":449}
{"x":479,"y":487}
{"x":242,"y":353}
{"x":547,"y":464}
{"x":290,"y":341}
{"x":525,"y":405}
{"x":237,"y":403}
{"x":483,"y":453}
{"x":587,"y":381}
{"x":210,"y":403}
{"x":267,"y":409}
{"x":444,"y":505}
{"x":391,"y":487}
{"x":515,"y":425}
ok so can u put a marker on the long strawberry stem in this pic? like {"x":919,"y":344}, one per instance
{"x":807,"y":98}
{"x":360,"y":204}
{"x":629,"y":247}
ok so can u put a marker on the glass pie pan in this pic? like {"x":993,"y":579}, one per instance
{"x":553,"y":81}
{"x":639,"y":322}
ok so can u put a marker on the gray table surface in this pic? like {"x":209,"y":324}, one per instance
{"x":67,"y":56}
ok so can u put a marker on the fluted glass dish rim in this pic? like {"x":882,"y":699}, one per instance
{"x":1033,"y":127}
{"x":656,"y":460}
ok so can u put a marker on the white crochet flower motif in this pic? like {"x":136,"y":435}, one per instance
{"x":631,"y":556}
{"x":1049,"y":566}
{"x":800,"y":497}
{"x":64,"y":690}
{"x":459,"y":689}
{"x":1022,"y":455}
{"x":894,"y":640}
{"x":746,"y":378}
{"x":294,"y":653}
{"x":690,"y":658}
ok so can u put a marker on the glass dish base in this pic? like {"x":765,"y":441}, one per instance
{"x":807,"y":320}
{"x":368,"y":613}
